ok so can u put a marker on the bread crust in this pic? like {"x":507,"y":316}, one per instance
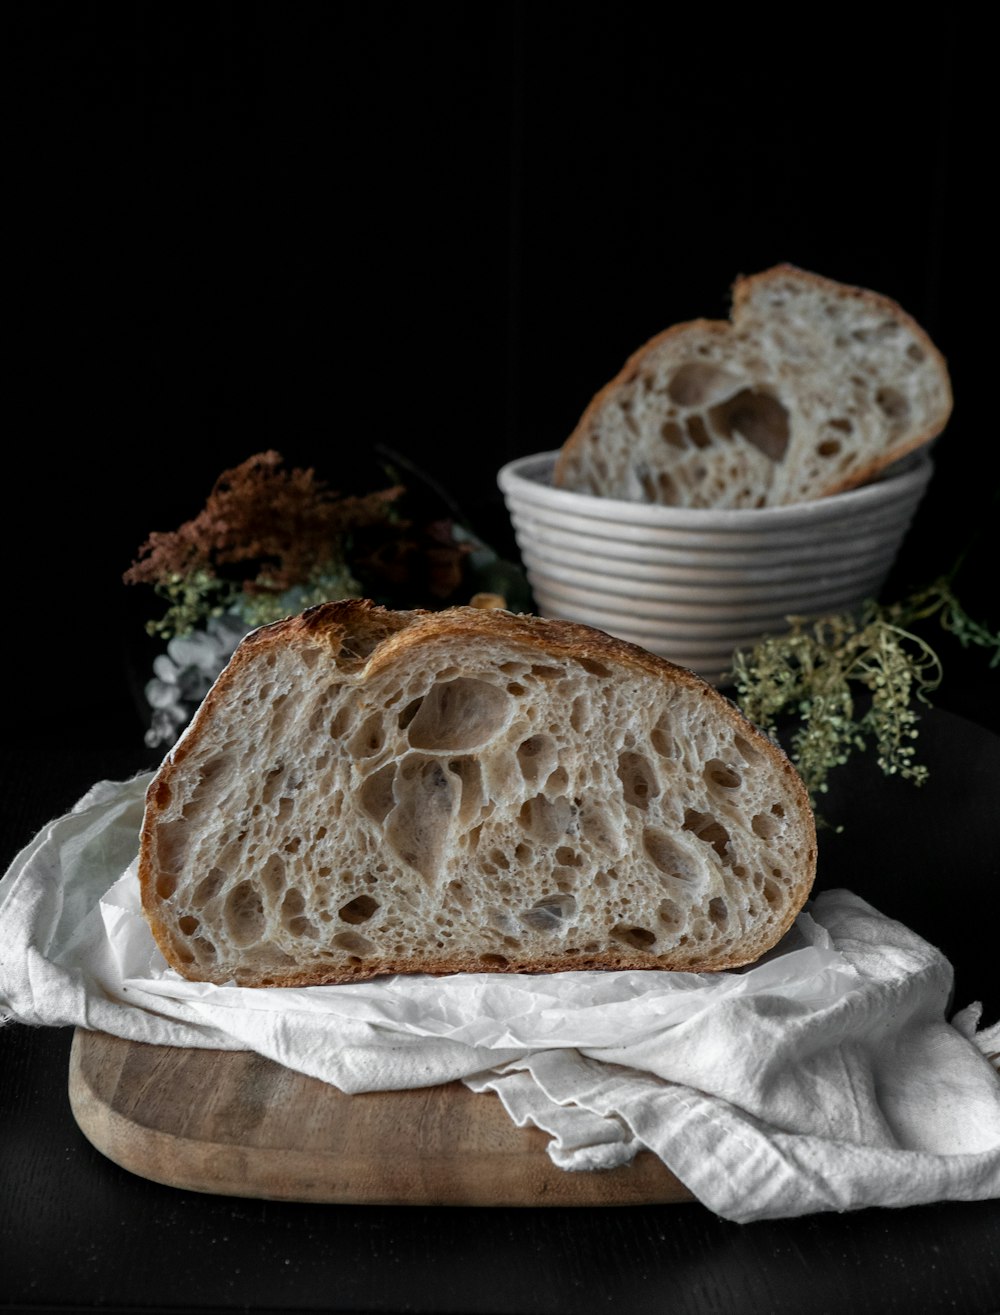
{"x":744,"y":289}
{"x":363,"y":637}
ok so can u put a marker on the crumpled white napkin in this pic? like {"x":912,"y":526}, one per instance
{"x":826,"y":1077}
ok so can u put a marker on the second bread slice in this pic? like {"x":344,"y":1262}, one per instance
{"x":811,"y":387}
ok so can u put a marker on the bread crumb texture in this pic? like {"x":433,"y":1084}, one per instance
{"x":811,"y":388}
{"x":367,"y":792}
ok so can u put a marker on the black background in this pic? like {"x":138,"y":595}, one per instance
{"x":320,"y":227}
{"x":438,"y":227}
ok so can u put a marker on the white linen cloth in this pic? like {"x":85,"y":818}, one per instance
{"x":825,"y":1077}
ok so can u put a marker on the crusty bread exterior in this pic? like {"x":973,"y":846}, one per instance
{"x":367,"y":792}
{"x":810,"y":388}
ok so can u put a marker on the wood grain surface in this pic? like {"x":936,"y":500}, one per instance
{"x":237,"y":1124}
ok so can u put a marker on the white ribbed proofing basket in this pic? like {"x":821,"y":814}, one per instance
{"x":693,"y":584}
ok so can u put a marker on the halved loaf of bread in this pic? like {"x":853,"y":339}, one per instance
{"x":811,"y":388}
{"x":367,"y":792}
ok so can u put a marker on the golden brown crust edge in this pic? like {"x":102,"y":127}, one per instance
{"x":393,"y":633}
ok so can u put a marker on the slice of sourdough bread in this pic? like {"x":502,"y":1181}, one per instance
{"x":368,"y":792}
{"x":812,"y":387}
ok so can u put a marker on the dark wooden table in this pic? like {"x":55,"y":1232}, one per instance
{"x":79,"y":1233}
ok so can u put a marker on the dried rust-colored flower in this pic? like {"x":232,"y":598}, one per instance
{"x":264,"y":527}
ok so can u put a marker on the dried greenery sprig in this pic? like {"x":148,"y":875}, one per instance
{"x":939,"y":601}
{"x":814,"y":672}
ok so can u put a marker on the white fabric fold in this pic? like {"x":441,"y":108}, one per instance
{"x":825,"y":1077}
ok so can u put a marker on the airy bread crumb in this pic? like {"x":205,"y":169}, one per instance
{"x":368,"y":792}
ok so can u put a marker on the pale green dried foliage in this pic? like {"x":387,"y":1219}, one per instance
{"x":196,"y":597}
{"x":331,"y":582}
{"x":192,"y":599}
{"x":821,"y":670}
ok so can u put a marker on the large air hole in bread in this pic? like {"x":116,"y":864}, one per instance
{"x":481,"y":792}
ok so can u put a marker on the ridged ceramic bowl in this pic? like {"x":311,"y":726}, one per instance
{"x":694,"y":584}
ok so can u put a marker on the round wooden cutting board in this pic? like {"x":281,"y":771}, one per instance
{"x":236,"y":1124}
